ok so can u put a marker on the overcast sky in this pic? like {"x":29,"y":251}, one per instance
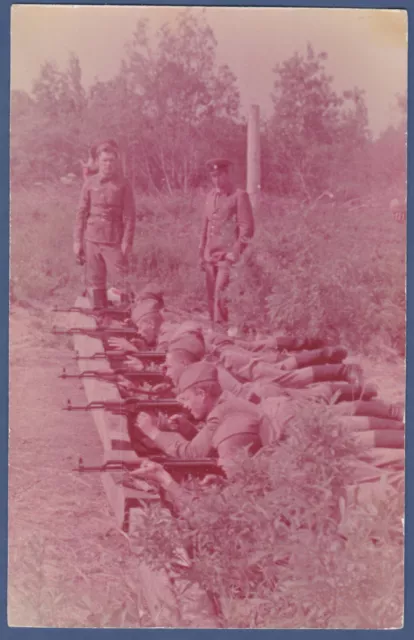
{"x":366,"y":48}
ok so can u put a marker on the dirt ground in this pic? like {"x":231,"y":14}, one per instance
{"x":68,"y":564}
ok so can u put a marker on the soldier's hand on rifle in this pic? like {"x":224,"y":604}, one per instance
{"x":153,"y":472}
{"x":134,"y":363}
{"x":121,"y":344}
{"x":179,"y":423}
{"x":126,"y":385}
{"x":145,"y":423}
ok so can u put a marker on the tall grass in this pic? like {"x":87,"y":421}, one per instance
{"x":334,"y":271}
{"x":267,"y":542}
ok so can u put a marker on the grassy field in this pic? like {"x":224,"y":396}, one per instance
{"x":334,"y":271}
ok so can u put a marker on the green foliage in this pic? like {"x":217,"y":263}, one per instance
{"x":334,"y":271}
{"x":313,"y":131}
{"x":266,"y":542}
{"x":171,"y":106}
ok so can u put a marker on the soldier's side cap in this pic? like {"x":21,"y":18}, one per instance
{"x":189,"y":343}
{"x":196,"y":374}
{"x":219,"y":340}
{"x":151,"y":291}
{"x":216,"y":164}
{"x":144,"y":308}
{"x":189,"y":327}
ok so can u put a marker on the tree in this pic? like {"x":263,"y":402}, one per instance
{"x":182,"y":99}
{"x":310,"y":125}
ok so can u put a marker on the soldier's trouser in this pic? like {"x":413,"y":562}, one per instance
{"x":217,"y":280}
{"x":300,"y":377}
{"x":373,"y":408}
{"x":307,"y":358}
{"x":105,"y":266}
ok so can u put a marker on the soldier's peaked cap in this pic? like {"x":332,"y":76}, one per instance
{"x":107,"y":146}
{"x":216,"y":164}
{"x":196,"y":374}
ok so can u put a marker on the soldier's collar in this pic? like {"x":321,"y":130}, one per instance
{"x":103,"y":179}
{"x":224,"y":192}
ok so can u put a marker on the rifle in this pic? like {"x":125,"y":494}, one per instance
{"x":110,"y":311}
{"x":144,"y":376}
{"x":155,"y":356}
{"x":103,"y":332}
{"x":204,"y":466}
{"x":130,"y":405}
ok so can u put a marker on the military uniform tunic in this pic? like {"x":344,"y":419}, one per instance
{"x":227,"y":227}
{"x":105,"y":220}
{"x":232,"y":425}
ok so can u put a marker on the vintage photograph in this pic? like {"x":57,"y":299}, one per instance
{"x":207,"y":317}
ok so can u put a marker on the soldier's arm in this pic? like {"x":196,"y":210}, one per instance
{"x":129,"y":216}
{"x":175,"y":445}
{"x":82,"y":215}
{"x":245,"y":223}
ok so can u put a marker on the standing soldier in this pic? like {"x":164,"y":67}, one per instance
{"x":228,"y":225}
{"x":104,"y":228}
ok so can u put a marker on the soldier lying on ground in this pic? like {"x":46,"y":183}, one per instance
{"x":233,"y":423}
{"x":186,"y":349}
{"x":151,"y":327}
{"x":372,"y":483}
{"x":296,"y":370}
{"x":293,"y":371}
{"x":146,"y":316}
{"x":230,"y":423}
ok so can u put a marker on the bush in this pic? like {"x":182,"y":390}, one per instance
{"x":267,"y":544}
{"x":334,"y":271}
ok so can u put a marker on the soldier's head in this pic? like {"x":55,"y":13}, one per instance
{"x":183,"y":351}
{"x":146,"y":312}
{"x":199,"y":389}
{"x":219,"y":173}
{"x":107,"y":156}
{"x":147,"y":318}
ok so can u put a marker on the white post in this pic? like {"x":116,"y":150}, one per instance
{"x":253,"y":156}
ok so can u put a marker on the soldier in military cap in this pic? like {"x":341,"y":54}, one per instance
{"x":229,"y":424}
{"x":227,"y":228}
{"x":104,"y":227}
{"x":146,"y":315}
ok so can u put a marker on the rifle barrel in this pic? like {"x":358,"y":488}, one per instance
{"x":156,"y":356}
{"x":169,"y":464}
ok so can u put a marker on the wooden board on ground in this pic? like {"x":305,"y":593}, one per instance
{"x":112,"y":428}
{"x":173,"y":600}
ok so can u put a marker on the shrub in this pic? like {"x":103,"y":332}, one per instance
{"x":334,"y":271}
{"x":267,"y":544}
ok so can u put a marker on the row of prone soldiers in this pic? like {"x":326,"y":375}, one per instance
{"x":244,"y":394}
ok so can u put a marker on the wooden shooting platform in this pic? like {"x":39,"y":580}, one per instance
{"x":112,"y":428}
{"x":172,"y":599}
